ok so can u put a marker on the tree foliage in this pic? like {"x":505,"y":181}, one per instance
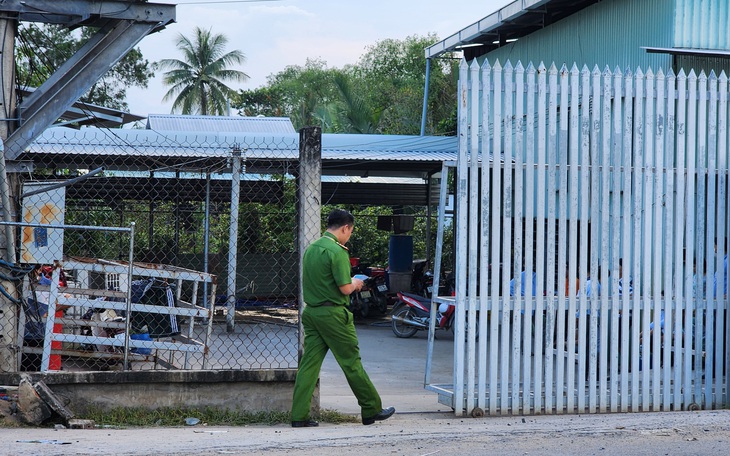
{"x":354,"y":114}
{"x":382,"y":93}
{"x":197,"y":81}
{"x":392,"y":74}
{"x":302,"y":93}
{"x":44,"y":48}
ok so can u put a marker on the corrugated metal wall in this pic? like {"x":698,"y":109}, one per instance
{"x":702,"y":24}
{"x":706,"y":64}
{"x":607,"y":33}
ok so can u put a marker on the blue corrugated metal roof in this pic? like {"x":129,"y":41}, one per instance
{"x":64,"y":142}
{"x":388,"y":147}
{"x":212,"y":124}
{"x":334,"y":146}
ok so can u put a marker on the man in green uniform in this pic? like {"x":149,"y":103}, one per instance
{"x":328,"y":325}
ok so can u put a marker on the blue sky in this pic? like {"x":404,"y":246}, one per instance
{"x":276,"y":33}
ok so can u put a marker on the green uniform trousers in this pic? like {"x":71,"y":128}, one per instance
{"x":331,"y":328}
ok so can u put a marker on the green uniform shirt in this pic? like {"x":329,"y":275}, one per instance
{"x":325,"y":267}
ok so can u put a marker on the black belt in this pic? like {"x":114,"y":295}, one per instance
{"x":328,"y":304}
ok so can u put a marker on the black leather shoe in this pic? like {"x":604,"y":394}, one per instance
{"x":305,"y":423}
{"x":383,"y":415}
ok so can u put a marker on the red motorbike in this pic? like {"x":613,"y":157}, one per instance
{"x":413,"y":313}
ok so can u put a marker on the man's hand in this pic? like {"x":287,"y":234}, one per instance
{"x":355,"y":285}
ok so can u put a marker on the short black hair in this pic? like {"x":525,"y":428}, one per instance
{"x":339,"y":217}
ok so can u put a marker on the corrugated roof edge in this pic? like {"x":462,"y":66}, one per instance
{"x":364,"y":147}
{"x":483,"y":26}
{"x":180,"y":123}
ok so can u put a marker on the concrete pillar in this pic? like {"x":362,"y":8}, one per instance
{"x":309,"y":196}
{"x":233,"y":239}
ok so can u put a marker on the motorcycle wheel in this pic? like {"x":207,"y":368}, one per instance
{"x":383,"y":307}
{"x":355,"y":305}
{"x":364,"y":309}
{"x":401,"y":329}
{"x":381,"y":304}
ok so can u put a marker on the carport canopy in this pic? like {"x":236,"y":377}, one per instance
{"x":356,"y":169}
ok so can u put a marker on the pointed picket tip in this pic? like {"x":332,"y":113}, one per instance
{"x":486,"y":66}
{"x":713,"y":76}
{"x":553,"y":69}
{"x":508,"y":66}
{"x":519,"y":68}
{"x":660,"y":74}
{"x":497,"y":66}
{"x":574,"y":69}
{"x":723,"y":77}
{"x":607,"y":72}
{"x":649,"y":73}
{"x":703,"y":76}
{"x":639,"y":74}
{"x":682,"y":74}
{"x":585,"y":69}
{"x":596,"y":71}
{"x":463,"y":65}
{"x":617,"y":72}
{"x":670,"y":74}
{"x":541,"y":68}
{"x":531,"y":68}
{"x":474,"y":66}
{"x":692,"y":74}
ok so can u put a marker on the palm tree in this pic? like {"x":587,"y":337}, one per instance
{"x":196,"y":82}
{"x":356,"y":115}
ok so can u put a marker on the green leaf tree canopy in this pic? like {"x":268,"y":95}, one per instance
{"x":302,"y":93}
{"x":392,"y":74}
{"x":197,"y":81}
{"x":382,"y":93}
{"x":354,"y":114}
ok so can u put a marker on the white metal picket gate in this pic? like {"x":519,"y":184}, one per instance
{"x":570,"y":174}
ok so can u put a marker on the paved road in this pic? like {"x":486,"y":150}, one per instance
{"x":421,"y":427}
{"x":681,"y":433}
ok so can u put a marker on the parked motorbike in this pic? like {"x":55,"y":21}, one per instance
{"x":413,"y":313}
{"x":372,"y":297}
{"x":421,"y":279}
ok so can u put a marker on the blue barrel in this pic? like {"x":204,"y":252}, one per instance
{"x":400,"y":253}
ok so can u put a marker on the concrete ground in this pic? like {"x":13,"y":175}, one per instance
{"x":396,"y":367}
{"x":421,"y":425}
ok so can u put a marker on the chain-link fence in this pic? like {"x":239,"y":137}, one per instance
{"x":225,"y":295}
{"x":234,"y":289}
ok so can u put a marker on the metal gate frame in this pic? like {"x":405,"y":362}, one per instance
{"x":635,"y":168}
